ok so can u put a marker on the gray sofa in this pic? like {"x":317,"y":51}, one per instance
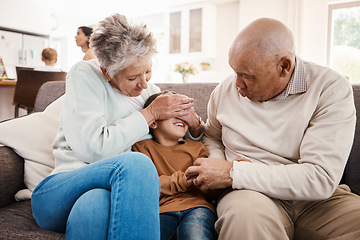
{"x":16,"y":221}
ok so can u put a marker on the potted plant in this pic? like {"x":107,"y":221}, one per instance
{"x":204,"y":65}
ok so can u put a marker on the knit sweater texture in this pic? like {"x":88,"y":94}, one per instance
{"x":171,"y":163}
{"x":94,"y":124}
{"x":298,"y":146}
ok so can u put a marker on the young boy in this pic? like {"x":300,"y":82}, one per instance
{"x":184,"y":211}
{"x":49,"y":57}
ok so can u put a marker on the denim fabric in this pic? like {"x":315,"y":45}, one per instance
{"x":194,"y":223}
{"x":116,"y":198}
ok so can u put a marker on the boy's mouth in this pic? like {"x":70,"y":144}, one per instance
{"x":180,"y":124}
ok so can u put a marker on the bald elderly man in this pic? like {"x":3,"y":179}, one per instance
{"x":279,"y":134}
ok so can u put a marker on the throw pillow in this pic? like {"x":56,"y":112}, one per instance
{"x":31,"y":137}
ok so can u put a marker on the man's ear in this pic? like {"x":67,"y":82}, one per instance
{"x":153,"y":125}
{"x":286,"y":66}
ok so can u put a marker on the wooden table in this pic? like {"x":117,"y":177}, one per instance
{"x":7,"y":91}
{"x":7,"y":82}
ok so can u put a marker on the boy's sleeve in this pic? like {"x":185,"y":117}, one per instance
{"x":138,"y":147}
{"x":203,"y":153}
{"x":174,"y":184}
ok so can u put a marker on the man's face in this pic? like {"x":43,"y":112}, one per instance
{"x":258,"y":81}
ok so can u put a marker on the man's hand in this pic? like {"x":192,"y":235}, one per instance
{"x":210,"y":173}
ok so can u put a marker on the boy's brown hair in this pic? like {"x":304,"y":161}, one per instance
{"x":49,"y":54}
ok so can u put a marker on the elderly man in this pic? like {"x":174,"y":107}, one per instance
{"x":289,"y":126}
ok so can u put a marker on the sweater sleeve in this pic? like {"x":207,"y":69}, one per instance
{"x":87,"y":120}
{"x":174,"y":184}
{"x":324,"y":150}
{"x":169,"y":185}
{"x":213,"y":132}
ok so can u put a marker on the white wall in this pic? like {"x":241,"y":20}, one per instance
{"x":31,"y":16}
{"x":249,"y":10}
{"x":227,"y":28}
{"x":306,"y":18}
{"x":313,"y":30}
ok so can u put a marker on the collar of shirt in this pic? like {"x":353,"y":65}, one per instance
{"x":297,"y":83}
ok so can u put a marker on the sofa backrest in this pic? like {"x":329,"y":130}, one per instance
{"x":201,"y":93}
{"x":352,"y":171}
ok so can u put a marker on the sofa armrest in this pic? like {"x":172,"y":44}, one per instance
{"x":11,"y":175}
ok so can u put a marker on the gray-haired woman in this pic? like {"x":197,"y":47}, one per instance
{"x":99,"y":189}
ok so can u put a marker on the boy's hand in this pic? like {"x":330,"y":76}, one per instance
{"x":191,"y":119}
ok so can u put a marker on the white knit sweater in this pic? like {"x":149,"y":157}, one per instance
{"x":298,"y":146}
{"x":94,"y":124}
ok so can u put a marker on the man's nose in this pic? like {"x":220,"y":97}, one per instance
{"x":239,"y":82}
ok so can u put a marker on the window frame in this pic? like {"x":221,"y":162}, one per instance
{"x":331,"y":8}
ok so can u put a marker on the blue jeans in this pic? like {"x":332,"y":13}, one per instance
{"x":115,"y":198}
{"x":194,"y":223}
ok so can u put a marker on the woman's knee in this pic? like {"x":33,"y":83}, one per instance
{"x":138,"y":164}
{"x":90,"y":215}
{"x":137,"y":169}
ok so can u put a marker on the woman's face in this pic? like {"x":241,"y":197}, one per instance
{"x":131,"y":81}
{"x":81,"y":39}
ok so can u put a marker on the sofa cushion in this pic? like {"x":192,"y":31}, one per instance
{"x":17,"y":222}
{"x":31,"y":137}
{"x":11,"y":175}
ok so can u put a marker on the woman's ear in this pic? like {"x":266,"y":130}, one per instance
{"x":106,"y":75}
{"x":153,"y":125}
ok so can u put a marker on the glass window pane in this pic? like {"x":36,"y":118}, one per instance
{"x":195,"y":30}
{"x":175,"y":32}
{"x":345,"y":44}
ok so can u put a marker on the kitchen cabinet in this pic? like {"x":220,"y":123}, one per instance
{"x":189,"y":31}
{"x":21,"y":49}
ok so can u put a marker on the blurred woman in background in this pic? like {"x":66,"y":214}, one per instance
{"x":82,"y":39}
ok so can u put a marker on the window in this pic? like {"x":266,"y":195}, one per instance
{"x":343,"y":53}
{"x":175,"y":32}
{"x":195,"y":30}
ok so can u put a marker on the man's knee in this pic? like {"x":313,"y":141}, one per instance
{"x":242,"y":205}
{"x":244,"y":211}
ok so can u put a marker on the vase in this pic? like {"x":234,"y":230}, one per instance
{"x":185,"y":78}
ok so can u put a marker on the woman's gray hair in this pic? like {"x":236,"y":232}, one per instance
{"x":117,"y":44}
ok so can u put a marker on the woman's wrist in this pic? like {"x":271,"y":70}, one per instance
{"x":150,"y":118}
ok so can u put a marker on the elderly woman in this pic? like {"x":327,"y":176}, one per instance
{"x":99,"y":189}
